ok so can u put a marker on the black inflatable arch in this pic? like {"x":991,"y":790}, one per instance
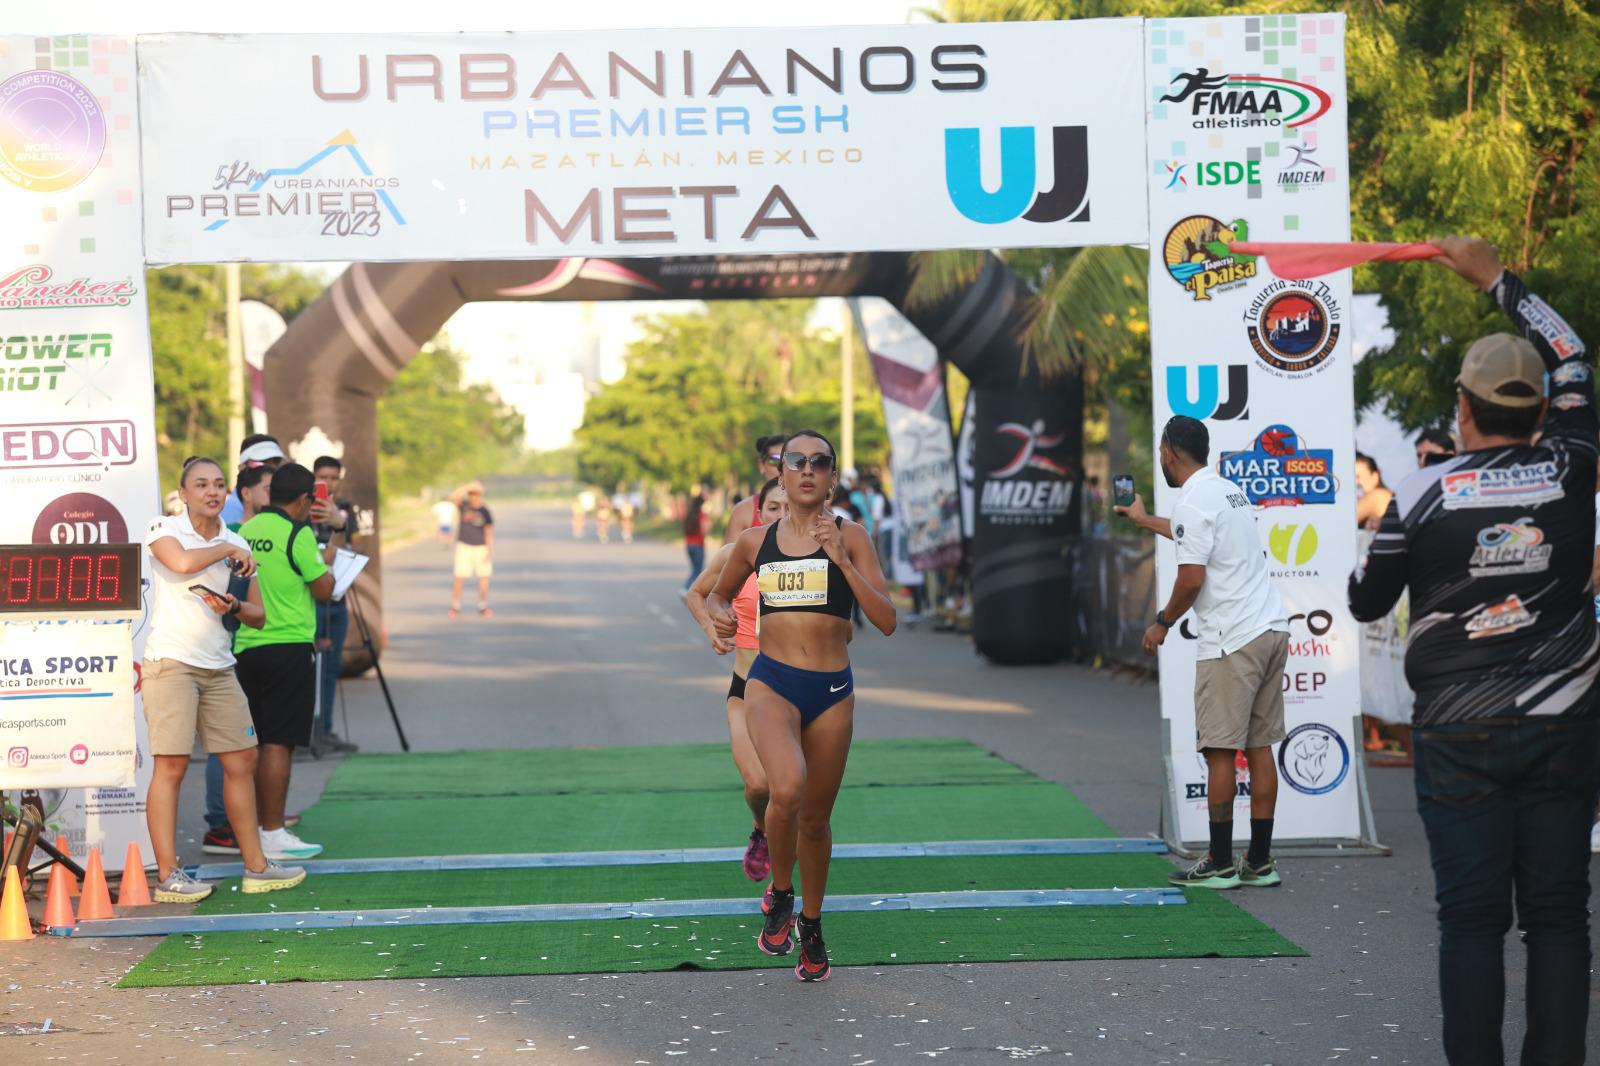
{"x":324,"y":377}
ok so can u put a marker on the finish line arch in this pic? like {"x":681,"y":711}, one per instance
{"x":325,"y":375}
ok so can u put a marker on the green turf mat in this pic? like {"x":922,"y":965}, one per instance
{"x":1207,"y":926}
{"x":679,"y":768}
{"x":629,"y":821}
{"x":722,"y":880}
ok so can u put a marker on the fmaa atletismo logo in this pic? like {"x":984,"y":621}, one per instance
{"x":1232,"y":101}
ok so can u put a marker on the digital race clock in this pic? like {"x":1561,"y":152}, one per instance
{"x":69,"y":578}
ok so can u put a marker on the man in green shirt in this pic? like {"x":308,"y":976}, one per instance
{"x":276,"y":663}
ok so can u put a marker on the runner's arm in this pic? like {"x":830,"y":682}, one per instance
{"x":739,"y":519}
{"x":1571,"y":412}
{"x":1377,"y":583}
{"x":731,"y":578}
{"x":695,"y":599}
{"x":864,"y":573}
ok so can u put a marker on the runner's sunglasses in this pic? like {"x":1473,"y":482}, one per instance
{"x":822,"y":462}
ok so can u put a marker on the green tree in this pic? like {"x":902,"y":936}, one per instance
{"x":695,"y":396}
{"x":434,"y":429}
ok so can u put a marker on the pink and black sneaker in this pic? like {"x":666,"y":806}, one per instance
{"x":757,"y":859}
{"x":813,"y":964}
{"x":776,"y":937}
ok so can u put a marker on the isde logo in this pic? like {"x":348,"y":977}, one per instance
{"x":1016,"y":195}
{"x":1207,"y":401}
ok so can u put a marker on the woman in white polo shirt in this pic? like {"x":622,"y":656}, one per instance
{"x":188,"y":680}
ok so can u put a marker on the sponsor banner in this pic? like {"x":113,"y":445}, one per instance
{"x":66,"y":704}
{"x":77,"y":419}
{"x":921,"y":449}
{"x":1246,"y":141}
{"x":666,"y":142}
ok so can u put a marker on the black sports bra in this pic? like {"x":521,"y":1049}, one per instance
{"x":804,"y":583}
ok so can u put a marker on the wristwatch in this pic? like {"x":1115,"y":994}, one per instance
{"x":1161,"y":620}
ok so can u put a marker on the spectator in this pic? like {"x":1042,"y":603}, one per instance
{"x":694,"y":535}
{"x":1493,"y":545}
{"x":602,"y":518}
{"x":1375,"y":495}
{"x":173,"y":504}
{"x":580,"y":516}
{"x":905,"y":575}
{"x":474,"y":546}
{"x":258,"y":449}
{"x":622,"y":504}
{"x":277,"y":663}
{"x":444,"y":518}
{"x":252,"y":490}
{"x":1434,"y":446}
{"x":188,"y":679}
{"x":333,"y":617}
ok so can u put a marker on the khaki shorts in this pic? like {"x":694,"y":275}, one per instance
{"x":472,"y":560}
{"x":1238,"y":699}
{"x":180,"y":699}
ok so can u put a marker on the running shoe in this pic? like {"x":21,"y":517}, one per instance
{"x":776,"y":936}
{"x":1263,"y":876}
{"x":272,"y":878}
{"x":179,"y":887}
{"x":222,"y":841}
{"x":1206,"y":874}
{"x":813,"y":964}
{"x":454,"y":612}
{"x":486,"y":611}
{"x":281,"y":844}
{"x":757,"y":859}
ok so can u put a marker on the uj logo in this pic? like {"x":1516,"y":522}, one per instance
{"x":52,"y":131}
{"x":1016,"y":194}
{"x":1207,"y":401}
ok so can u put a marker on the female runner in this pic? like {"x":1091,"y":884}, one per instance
{"x":810,"y":568}
{"x":769,"y":507}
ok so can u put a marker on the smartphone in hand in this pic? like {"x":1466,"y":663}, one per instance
{"x":320,"y":492}
{"x":1122,"y":490}
{"x":205,"y":590}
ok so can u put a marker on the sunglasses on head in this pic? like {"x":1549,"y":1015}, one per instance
{"x":821,"y":462}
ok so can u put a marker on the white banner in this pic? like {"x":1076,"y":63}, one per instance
{"x":660,"y":142}
{"x":77,"y":413}
{"x":67,"y":692}
{"x":921,"y":448}
{"x":1247,"y":141}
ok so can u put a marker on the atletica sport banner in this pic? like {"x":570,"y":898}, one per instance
{"x":77,"y":413}
{"x":659,"y":142}
{"x":921,"y":449}
{"x":1247,"y":140}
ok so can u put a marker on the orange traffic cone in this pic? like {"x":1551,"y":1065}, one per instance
{"x":13,"y":911}
{"x":135,"y":888}
{"x":57,"y":902}
{"x":72,"y":879}
{"x":96,"y":902}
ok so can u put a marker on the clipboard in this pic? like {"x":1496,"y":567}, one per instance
{"x":346,"y":566}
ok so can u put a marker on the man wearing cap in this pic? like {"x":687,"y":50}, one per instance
{"x":258,"y":449}
{"x":1495,"y":546}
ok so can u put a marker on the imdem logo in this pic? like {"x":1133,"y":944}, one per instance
{"x":1019,"y":173}
{"x":1207,"y":401}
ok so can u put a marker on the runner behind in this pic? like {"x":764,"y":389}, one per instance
{"x":800,"y":696}
{"x":769,"y":460}
{"x":771,"y":504}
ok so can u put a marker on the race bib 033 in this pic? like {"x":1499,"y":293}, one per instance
{"x":794,"y":583}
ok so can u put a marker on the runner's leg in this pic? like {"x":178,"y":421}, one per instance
{"x":826,"y":743}
{"x":774,"y":728}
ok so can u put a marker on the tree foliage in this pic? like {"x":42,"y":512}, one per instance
{"x":1466,"y":116}
{"x":701,"y":387}
{"x":434,"y":429}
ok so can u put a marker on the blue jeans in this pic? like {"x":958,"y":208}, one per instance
{"x":333,"y":622}
{"x":1507,"y":805}
{"x":697,"y":561}
{"x":216,"y":813}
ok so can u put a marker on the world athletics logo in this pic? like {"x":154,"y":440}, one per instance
{"x":52,"y":131}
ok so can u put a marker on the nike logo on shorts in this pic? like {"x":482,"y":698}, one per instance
{"x":841,"y":688}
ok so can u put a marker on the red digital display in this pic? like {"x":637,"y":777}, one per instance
{"x":66,"y":578}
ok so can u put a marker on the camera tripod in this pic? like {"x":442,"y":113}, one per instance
{"x":372,"y":652}
{"x":28,"y":834}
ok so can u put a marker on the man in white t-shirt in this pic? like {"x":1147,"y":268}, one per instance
{"x":1241,"y":648}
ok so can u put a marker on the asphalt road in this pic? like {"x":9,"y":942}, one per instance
{"x":591,"y":646}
